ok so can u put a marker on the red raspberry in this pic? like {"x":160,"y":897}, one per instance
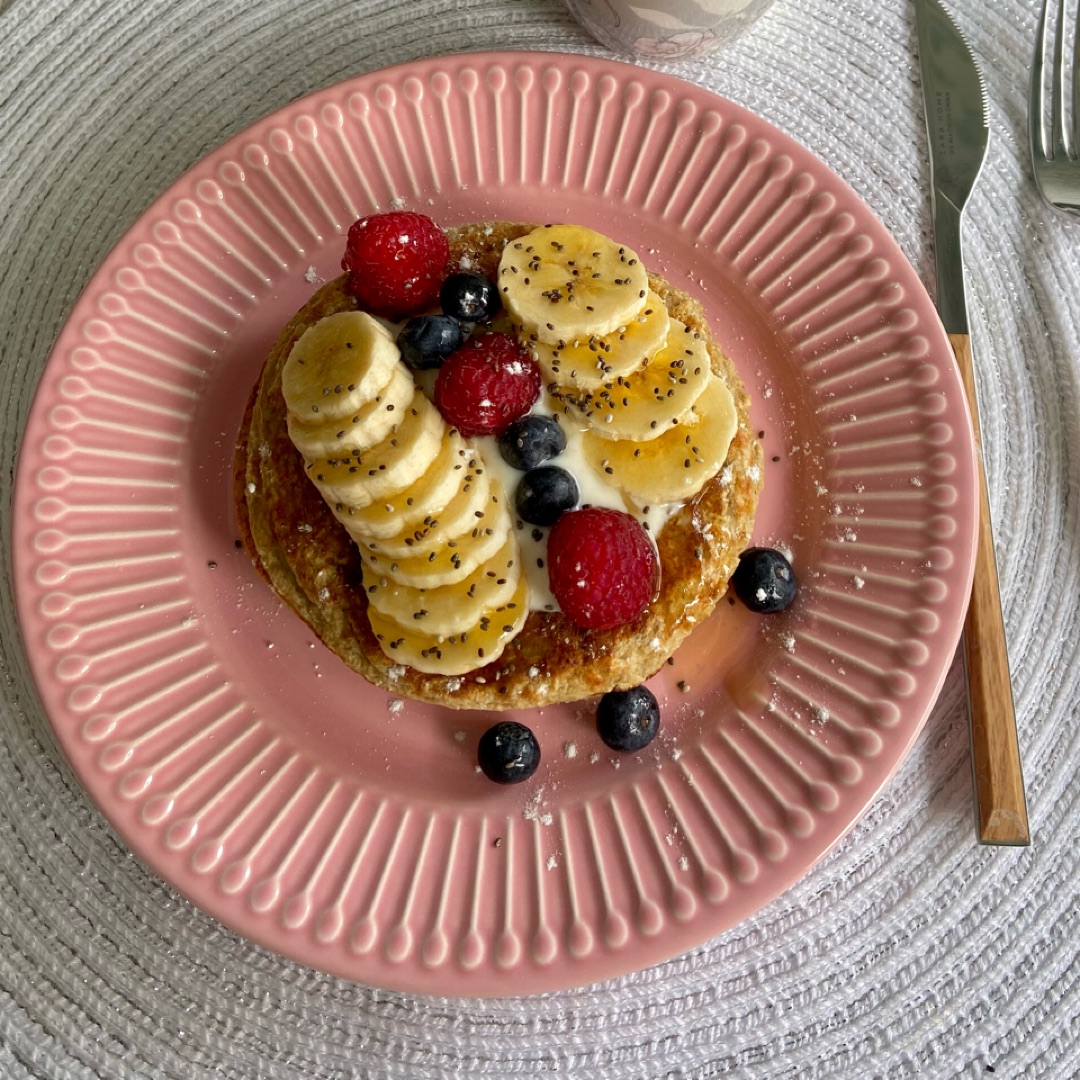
{"x":396,"y":262}
{"x":602,"y":567}
{"x":484,"y":386}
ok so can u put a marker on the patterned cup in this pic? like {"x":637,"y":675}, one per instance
{"x":666,"y":29}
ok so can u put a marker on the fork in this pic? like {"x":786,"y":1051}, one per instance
{"x":1054,"y":149}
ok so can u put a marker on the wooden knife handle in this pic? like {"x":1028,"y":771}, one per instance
{"x":999,"y":781}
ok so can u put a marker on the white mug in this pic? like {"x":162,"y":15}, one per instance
{"x":666,"y":29}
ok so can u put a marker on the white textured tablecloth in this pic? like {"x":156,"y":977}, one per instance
{"x":910,"y":950}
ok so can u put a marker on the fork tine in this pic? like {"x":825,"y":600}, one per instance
{"x":1054,"y":108}
{"x":1075,"y":125}
{"x":1058,"y":103}
{"x":1036,"y":96}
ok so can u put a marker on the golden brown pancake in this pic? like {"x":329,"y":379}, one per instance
{"x":307,"y":557}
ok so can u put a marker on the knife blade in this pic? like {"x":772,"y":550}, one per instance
{"x":954,"y":100}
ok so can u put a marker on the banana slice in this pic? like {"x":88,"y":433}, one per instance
{"x":358,"y":478}
{"x":442,"y":566}
{"x":369,"y":425}
{"x":454,"y":560}
{"x":454,"y":608}
{"x":337,"y":366}
{"x":404,"y":510}
{"x":453,"y":654}
{"x":677,"y":464}
{"x":588,"y":363}
{"x":435,"y":528}
{"x":644,"y":405}
{"x":567,"y":282}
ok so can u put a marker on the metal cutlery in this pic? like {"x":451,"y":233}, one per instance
{"x":1054,"y":117}
{"x":958,"y":131}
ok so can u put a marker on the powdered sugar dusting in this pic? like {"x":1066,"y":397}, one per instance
{"x":533,"y":809}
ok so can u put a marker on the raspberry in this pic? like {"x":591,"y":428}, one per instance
{"x":396,"y":262}
{"x":484,"y":386}
{"x":602,"y":567}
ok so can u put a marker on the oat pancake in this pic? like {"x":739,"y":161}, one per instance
{"x":307,"y":557}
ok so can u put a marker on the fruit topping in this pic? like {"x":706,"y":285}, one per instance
{"x":458,"y":607}
{"x":643,"y":405}
{"x":426,"y":341}
{"x":442,"y":567}
{"x":358,"y":477}
{"x":657,"y":420}
{"x":486,"y":385}
{"x":322,"y":435}
{"x":632,"y":387}
{"x":628,"y":719}
{"x":454,"y":559}
{"x":338,"y":365}
{"x":545,"y":494}
{"x":395,"y":262}
{"x":588,"y":362}
{"x":406,"y":510}
{"x":451,"y":654}
{"x":602,"y":567}
{"x":531,"y":440}
{"x":677,"y":464}
{"x":508,"y":753}
{"x":567,"y":282}
{"x":469,"y":296}
{"x":764,"y":580}
{"x":459,"y":514}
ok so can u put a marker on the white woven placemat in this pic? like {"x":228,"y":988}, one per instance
{"x":910,"y":950}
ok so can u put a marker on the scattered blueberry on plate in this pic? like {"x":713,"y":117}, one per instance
{"x":628,"y":720}
{"x":508,"y":753}
{"x":764,"y":580}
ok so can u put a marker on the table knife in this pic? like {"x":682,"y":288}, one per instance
{"x":956,"y":122}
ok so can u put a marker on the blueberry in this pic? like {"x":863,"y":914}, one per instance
{"x":544,"y":494}
{"x":508,"y":753}
{"x":764,"y":580}
{"x":426,"y":341}
{"x":531,"y":440}
{"x":469,"y":297}
{"x":628,"y":719}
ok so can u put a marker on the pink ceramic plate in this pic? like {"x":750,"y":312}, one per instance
{"x":348,"y":830}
